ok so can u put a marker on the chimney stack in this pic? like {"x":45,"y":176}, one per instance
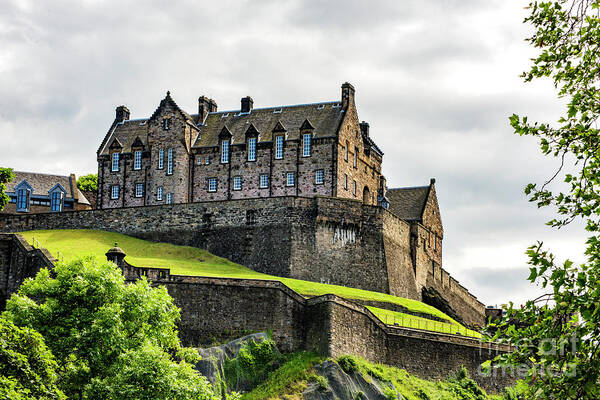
{"x":205,"y":106}
{"x":364,"y":128}
{"x":122,"y":114}
{"x":247,"y":104}
{"x":347,"y":95}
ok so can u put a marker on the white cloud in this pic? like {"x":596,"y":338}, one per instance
{"x":437,"y":81}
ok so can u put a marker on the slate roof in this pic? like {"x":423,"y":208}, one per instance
{"x":126,"y":133}
{"x":324,"y":117}
{"x":408,"y":203}
{"x":42,"y":183}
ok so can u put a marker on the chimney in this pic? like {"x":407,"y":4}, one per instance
{"x":122,"y":114}
{"x":247,"y":104}
{"x":364,"y":128}
{"x":203,"y":108}
{"x":212,"y":105}
{"x":347,"y":95}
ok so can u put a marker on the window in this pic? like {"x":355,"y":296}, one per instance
{"x":289,"y":179}
{"x":346,"y":151}
{"x":159,"y":193}
{"x":264,"y":181}
{"x":166,"y":123}
{"x":279,"y":147}
{"x":354,"y":188}
{"x":355,"y":162}
{"x":23,"y":200}
{"x":237,"y":183}
{"x":207,"y":160}
{"x":345,"y":181}
{"x":224,"y":151}
{"x":139,"y":189}
{"x":199,"y":160}
{"x":114,"y":192}
{"x":252,"y":149}
{"x":169,"y":198}
{"x":170,"y":162}
{"x":161,"y":158}
{"x":137,"y":159}
{"x":319,"y":177}
{"x":212,"y":184}
{"x":306,"y":142}
{"x":115,"y":162}
{"x":56,"y":201}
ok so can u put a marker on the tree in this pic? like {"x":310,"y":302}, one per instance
{"x":27,"y":367}
{"x":558,"y":334}
{"x":88,"y":183}
{"x":6,"y":176}
{"x":111,"y":339}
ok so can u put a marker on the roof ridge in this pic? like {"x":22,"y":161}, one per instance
{"x":410,"y":187}
{"x":272,"y":107}
{"x":41,"y":173}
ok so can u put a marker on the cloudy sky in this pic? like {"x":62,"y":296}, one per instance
{"x":437,"y":80}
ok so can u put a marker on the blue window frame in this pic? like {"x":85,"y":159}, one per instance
{"x":137,"y":159}
{"x":56,"y":201}
{"x":224,"y":151}
{"x":170,"y":162}
{"x":23,"y":199}
{"x":161,"y":158}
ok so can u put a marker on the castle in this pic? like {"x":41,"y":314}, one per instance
{"x":292,"y":191}
{"x":300,"y":150}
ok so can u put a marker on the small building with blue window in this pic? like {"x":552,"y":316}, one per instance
{"x":32,"y":192}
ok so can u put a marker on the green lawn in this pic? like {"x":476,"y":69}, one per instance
{"x":183,"y":260}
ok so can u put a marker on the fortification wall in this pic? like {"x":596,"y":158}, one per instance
{"x":320,"y":239}
{"x":19,"y":261}
{"x":219,"y":309}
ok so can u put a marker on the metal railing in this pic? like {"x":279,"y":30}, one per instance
{"x":428,"y":325}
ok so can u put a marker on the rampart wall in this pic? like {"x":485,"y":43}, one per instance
{"x":218,"y":309}
{"x":320,"y":239}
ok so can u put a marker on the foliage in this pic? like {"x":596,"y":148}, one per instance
{"x":27,"y":367}
{"x":320,"y":380}
{"x":289,"y":378}
{"x":184,"y":260}
{"x":110,"y":339}
{"x":253,"y":362}
{"x":562,"y":353}
{"x":348,"y":364}
{"x":6,"y":176}
{"x":88,"y":182}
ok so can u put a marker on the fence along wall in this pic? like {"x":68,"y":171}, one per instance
{"x":320,"y":239}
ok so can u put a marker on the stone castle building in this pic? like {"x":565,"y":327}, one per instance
{"x":300,"y":150}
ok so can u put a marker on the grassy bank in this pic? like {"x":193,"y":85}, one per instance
{"x":185,"y":260}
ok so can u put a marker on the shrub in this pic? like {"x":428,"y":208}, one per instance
{"x":320,"y":380}
{"x":348,"y":364}
{"x":390,"y":393}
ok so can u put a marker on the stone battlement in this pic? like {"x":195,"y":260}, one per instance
{"x":319,"y":239}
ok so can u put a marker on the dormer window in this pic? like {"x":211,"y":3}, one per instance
{"x":137,"y":159}
{"x":279,"y":147}
{"x":56,"y":201}
{"x":306,"y":143}
{"x":115,"y":162}
{"x":224,"y":151}
{"x":166,"y":123}
{"x":252,"y":149}
{"x":23,"y":196}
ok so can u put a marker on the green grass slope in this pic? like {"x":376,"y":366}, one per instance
{"x":184,"y":260}
{"x":298,"y":370}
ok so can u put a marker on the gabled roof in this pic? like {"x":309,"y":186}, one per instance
{"x":408,"y":203}
{"x":324,"y":117}
{"x":168,"y":100}
{"x":44,"y":183}
{"x":126,"y":133}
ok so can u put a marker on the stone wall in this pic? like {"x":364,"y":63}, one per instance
{"x":320,"y":239}
{"x":18,"y":261}
{"x":220,"y":309}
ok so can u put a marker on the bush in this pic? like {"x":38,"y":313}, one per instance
{"x":320,"y":380}
{"x":348,"y":364}
{"x":253,"y":362}
{"x":390,"y":393}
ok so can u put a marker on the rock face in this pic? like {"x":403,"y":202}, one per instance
{"x":343,"y":386}
{"x":213,"y":361}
